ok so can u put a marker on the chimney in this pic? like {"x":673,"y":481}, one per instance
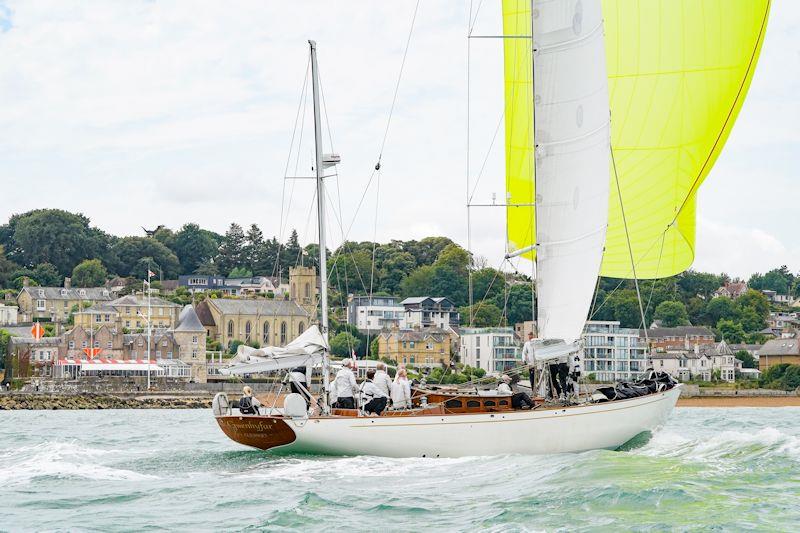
{"x":26,"y":281}
{"x":696,"y":349}
{"x":67,"y":283}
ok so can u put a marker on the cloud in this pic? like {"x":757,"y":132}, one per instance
{"x":140,"y":113}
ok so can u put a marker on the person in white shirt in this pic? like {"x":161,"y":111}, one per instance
{"x":504,"y":387}
{"x":345,"y":385}
{"x":527,"y":357}
{"x":519,"y":400}
{"x":382,"y":379}
{"x":298,"y":383}
{"x":372,"y":397}
{"x":401,"y":390}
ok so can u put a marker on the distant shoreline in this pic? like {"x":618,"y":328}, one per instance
{"x":740,"y":401}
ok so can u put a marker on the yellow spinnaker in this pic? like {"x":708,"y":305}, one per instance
{"x":678,"y":74}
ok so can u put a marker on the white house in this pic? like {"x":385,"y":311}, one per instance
{"x":375,"y":313}
{"x":492,"y":349}
{"x":427,"y":312}
{"x":8,"y":315}
{"x":700,"y":362}
{"x":613,"y":353}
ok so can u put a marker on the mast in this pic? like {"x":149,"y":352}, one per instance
{"x":323,"y":266}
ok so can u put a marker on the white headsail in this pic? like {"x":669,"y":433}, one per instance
{"x":306,"y":350}
{"x":571,"y":135}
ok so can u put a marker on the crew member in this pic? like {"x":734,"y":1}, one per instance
{"x":345,"y":385}
{"x":382,"y":379}
{"x":248,"y":404}
{"x":298,"y":382}
{"x":372,"y":397}
{"x":527,"y":357}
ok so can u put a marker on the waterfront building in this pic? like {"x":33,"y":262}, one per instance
{"x":427,"y":347}
{"x":267,"y":322}
{"x":427,"y":312}
{"x":55,"y":304}
{"x":777,"y":351}
{"x":255,"y":285}
{"x":371,"y":314}
{"x":8,"y":315}
{"x":700,"y":361}
{"x":130,"y":313}
{"x":613,"y":353}
{"x":677,"y":337}
{"x":492,"y":349}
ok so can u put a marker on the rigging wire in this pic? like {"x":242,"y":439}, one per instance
{"x":630,"y":249}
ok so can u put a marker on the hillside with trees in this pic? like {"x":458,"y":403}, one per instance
{"x":46,"y":245}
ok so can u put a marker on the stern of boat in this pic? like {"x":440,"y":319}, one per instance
{"x":258,"y":431}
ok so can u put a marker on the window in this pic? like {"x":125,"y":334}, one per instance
{"x":96,"y":344}
{"x":127,"y":323}
{"x":194,"y":354}
{"x":194,"y":339}
{"x":164,"y":343}
{"x":169,"y":355}
{"x":107,"y":318}
{"x":97,"y":318}
{"x":301,"y":328}
{"x":141,"y":342}
{"x":82,"y":292}
{"x":66,"y":304}
{"x":158,"y":354}
{"x":247,"y":328}
{"x":230,"y":328}
{"x":109,"y":345}
{"x":41,"y":293}
{"x":265,"y":333}
{"x":85,"y":344}
{"x":283,"y":333}
{"x":41,"y":305}
{"x":71,"y":345}
{"x":308,"y":291}
{"x":294,"y":295}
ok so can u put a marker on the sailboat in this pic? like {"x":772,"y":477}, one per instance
{"x":615,"y":113}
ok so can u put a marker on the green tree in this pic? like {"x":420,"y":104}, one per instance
{"x":427,"y":250}
{"x":731,"y":331}
{"x":194,"y":247}
{"x":747,"y":359}
{"x":231,"y":251}
{"x":290,"y":253}
{"x":484,"y":315}
{"x":137,"y":254}
{"x":418,"y":283}
{"x":89,"y":273}
{"x":253,"y":247}
{"x":519,"y":306}
{"x":395,"y":267}
{"x":53,"y":236}
{"x":719,"y":308}
{"x":342,"y":344}
{"x":702,"y":284}
{"x":672,"y":314}
{"x":7,"y":267}
{"x":166,"y":237}
{"x":240,"y":272}
{"x":488,"y":284}
{"x":756,"y":301}
{"x":779,"y":280}
{"x":46,"y":275}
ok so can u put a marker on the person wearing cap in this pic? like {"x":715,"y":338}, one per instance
{"x":248,"y":404}
{"x":346,"y":386}
{"x":505,"y":385}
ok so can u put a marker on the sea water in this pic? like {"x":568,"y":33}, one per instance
{"x":137,"y":470}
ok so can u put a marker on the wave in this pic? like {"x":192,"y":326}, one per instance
{"x":765,"y":443}
{"x":61,"y":459}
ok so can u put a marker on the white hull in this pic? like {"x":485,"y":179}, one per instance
{"x":574,"y":429}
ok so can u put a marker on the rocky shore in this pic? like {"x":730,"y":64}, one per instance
{"x":100,"y":401}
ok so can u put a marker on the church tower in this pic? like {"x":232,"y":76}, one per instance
{"x":303,"y":289}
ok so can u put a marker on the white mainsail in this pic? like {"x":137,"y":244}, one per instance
{"x":571,"y":135}
{"x":307,"y":349}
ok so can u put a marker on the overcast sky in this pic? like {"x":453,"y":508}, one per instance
{"x":139,"y":113}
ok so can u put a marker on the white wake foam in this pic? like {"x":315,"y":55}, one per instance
{"x":60,"y":459}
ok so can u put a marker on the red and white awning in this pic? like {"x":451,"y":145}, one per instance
{"x":110,"y":364}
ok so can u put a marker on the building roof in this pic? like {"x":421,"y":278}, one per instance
{"x":746,"y":347}
{"x":414,"y":300}
{"x":417,"y":334}
{"x":205,"y":316}
{"x":780,"y":347}
{"x":18,"y":331}
{"x":60,"y":293}
{"x":140,"y":300}
{"x":680,"y":331}
{"x":189,"y":321}
{"x":263,"y":307}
